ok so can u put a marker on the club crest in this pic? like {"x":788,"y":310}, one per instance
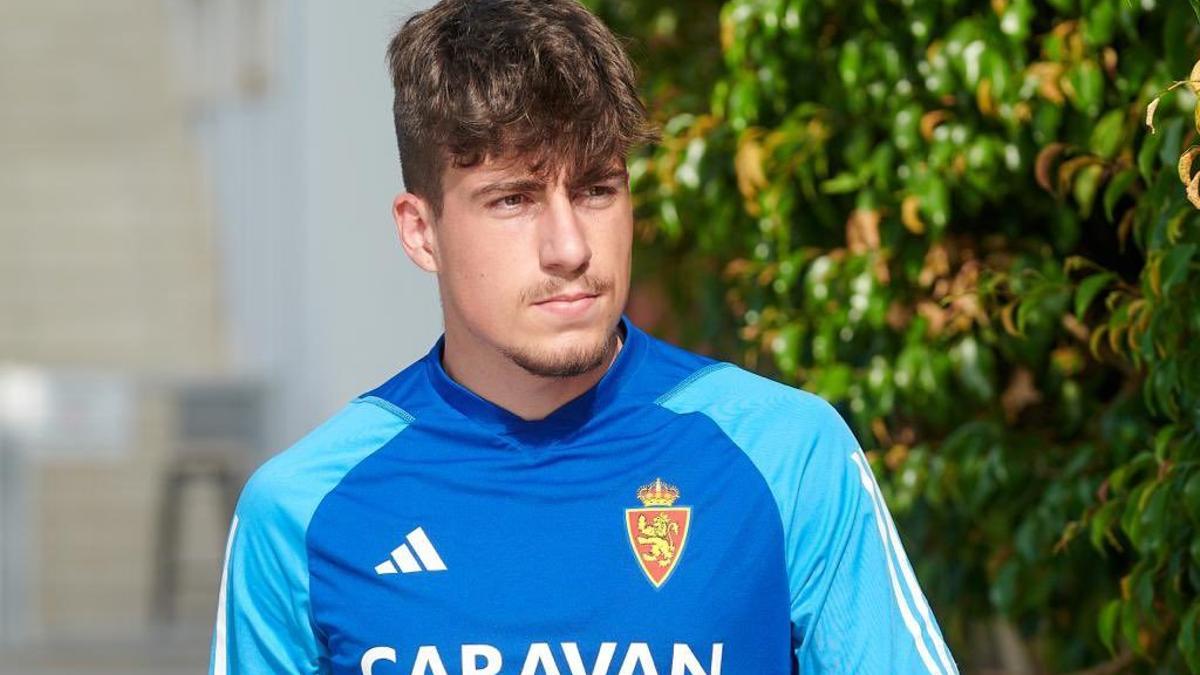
{"x":658,"y":530}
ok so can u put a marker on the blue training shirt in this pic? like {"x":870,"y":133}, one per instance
{"x":681,"y":517}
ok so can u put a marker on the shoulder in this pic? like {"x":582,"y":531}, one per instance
{"x":791,"y":436}
{"x":264,"y":600}
{"x":735,"y":397}
{"x":290,"y":485}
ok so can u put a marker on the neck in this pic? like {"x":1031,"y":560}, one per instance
{"x":494,"y":377}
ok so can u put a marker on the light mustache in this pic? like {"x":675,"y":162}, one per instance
{"x":589,"y":285}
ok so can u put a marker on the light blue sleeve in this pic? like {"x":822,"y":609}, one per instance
{"x":264,"y":616}
{"x":856,"y":606}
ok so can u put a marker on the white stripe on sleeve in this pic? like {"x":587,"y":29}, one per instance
{"x":868,"y":482}
{"x":914,"y":590}
{"x":220,"y":657}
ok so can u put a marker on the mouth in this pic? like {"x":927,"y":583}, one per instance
{"x":568,"y":304}
{"x":567,"y":298}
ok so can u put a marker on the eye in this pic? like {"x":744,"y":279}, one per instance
{"x":598,"y":194}
{"x":509,"y":202}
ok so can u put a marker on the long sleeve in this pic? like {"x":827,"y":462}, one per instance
{"x":263,"y":617}
{"x":854,"y":602}
{"x":857,"y":606}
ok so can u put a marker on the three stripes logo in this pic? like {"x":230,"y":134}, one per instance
{"x":405,"y":556}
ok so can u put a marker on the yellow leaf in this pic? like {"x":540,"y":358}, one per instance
{"x":1110,"y":62}
{"x":910,"y":214}
{"x":1194,"y":78}
{"x":728,"y":33}
{"x":1131,"y":338}
{"x":1150,"y":113}
{"x":1049,"y":80}
{"x":1154,"y":273}
{"x":1124,"y":228}
{"x":1135,"y":308}
{"x":1193,"y":191}
{"x":1114,"y":339}
{"x":1045,"y":159}
{"x":748,"y":164}
{"x":1066,"y":172}
{"x":936,"y":265}
{"x":1021,"y":393}
{"x":1094,"y":342}
{"x":983,"y":98}
{"x":1006,"y":318}
{"x":931,"y":120}
{"x":895,"y":457}
{"x":1185,"y":164}
{"x":862,"y":231}
{"x":1067,"y":359}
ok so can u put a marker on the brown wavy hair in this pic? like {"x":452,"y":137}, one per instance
{"x":542,"y":81}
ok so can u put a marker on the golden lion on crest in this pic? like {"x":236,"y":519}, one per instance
{"x":658,"y":534}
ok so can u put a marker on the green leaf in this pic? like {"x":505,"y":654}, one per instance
{"x":1162,"y":441}
{"x":1175,"y":266}
{"x":1172,"y":142}
{"x":1189,"y":628}
{"x":1100,"y":22}
{"x":1124,"y":472}
{"x":1101,"y":523}
{"x":1191,"y":497}
{"x":1151,"y":528}
{"x":1003,"y":589}
{"x":1087,"y":82}
{"x":1087,"y":182}
{"x":1117,"y":187}
{"x":850,"y":65}
{"x":1147,"y":154}
{"x":1131,"y":622}
{"x":1196,"y":9}
{"x":841,"y":184}
{"x":1088,"y":289}
{"x":785,"y":348}
{"x":1108,"y":134}
{"x":1108,"y":624}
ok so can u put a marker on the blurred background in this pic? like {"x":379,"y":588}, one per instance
{"x":972,"y":225}
{"x":197,"y":265}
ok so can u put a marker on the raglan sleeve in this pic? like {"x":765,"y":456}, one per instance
{"x":263,"y":622}
{"x":856,"y":604}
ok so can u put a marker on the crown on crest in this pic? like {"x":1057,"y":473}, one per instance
{"x":658,"y":493}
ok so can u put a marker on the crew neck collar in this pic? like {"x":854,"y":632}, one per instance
{"x":565,"y":419}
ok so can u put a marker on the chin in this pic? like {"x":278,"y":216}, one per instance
{"x":566,"y":356}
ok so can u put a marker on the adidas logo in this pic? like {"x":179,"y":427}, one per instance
{"x":403,"y":558}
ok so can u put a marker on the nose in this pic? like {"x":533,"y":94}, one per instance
{"x":563,"y":242}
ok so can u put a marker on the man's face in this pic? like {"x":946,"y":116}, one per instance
{"x":536,"y":269}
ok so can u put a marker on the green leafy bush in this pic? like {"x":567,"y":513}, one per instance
{"x":951,"y":218}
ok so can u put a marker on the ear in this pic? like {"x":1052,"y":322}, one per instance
{"x":414,"y":222}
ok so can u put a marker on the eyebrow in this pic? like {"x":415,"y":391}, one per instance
{"x":508,"y":187}
{"x":599,"y":175}
{"x":534,"y":185}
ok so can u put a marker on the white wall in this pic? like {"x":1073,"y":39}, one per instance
{"x":370,"y":311}
{"x":323,"y":302}
{"x":107,"y":262}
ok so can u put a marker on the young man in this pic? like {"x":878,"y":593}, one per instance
{"x":551,"y":490}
